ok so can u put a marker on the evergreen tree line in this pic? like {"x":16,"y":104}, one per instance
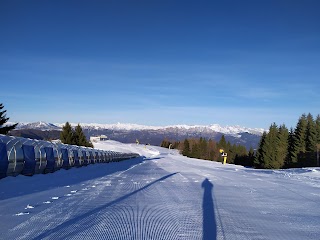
{"x":283,"y":148}
{"x":74,"y":137}
{"x":209,"y":150}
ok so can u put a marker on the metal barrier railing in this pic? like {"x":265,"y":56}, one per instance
{"x":29,"y":156}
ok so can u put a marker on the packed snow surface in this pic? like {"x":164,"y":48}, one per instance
{"x":161,"y":195}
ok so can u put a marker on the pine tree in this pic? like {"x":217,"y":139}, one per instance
{"x":222,"y":143}
{"x":232,"y":151}
{"x":317,"y":123}
{"x":164,"y":143}
{"x":311,"y":141}
{"x":212,"y":149}
{"x":267,"y":152}
{"x":3,"y":120}
{"x":204,"y":149}
{"x":250,"y":157}
{"x":291,"y":160}
{"x":67,"y":135}
{"x":311,"y":134}
{"x":270,"y":146}
{"x":228,"y":148}
{"x":300,"y":140}
{"x":175,"y":145}
{"x":79,"y":138}
{"x":186,"y":148}
{"x":282,"y":146}
{"x":239,"y":155}
{"x":195,"y":150}
{"x":258,"y":160}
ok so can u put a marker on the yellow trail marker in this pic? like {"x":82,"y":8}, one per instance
{"x":224,"y":160}
{"x":224,"y":155}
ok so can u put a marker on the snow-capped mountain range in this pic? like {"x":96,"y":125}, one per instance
{"x":154,"y":135}
{"x":230,"y":130}
{"x":36,"y":125}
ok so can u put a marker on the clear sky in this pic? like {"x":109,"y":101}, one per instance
{"x":248,"y":63}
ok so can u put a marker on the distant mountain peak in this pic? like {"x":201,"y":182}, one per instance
{"x":40,"y":125}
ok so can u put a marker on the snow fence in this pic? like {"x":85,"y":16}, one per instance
{"x":29,"y":156}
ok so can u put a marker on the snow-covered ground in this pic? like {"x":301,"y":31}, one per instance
{"x":162,"y":195}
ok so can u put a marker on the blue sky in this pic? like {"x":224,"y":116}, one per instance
{"x":248,"y":63}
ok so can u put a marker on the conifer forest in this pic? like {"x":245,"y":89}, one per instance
{"x":279,"y":147}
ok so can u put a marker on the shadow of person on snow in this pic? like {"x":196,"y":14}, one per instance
{"x":209,"y":221}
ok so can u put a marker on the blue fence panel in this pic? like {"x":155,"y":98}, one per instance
{"x":85,"y":158}
{"x":29,"y":160}
{"x":3,"y":160}
{"x":65,"y":158}
{"x":76,"y":158}
{"x":91,"y":157}
{"x":97,"y":156}
{"x":50,"y":159}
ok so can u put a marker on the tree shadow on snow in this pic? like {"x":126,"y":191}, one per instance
{"x":155,"y":158}
{"x":209,"y":221}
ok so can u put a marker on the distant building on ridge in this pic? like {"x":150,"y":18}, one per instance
{"x":99,"y":138}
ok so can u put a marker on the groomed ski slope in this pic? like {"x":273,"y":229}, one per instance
{"x":162,"y":195}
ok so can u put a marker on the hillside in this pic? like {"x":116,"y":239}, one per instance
{"x":161,"y":195}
